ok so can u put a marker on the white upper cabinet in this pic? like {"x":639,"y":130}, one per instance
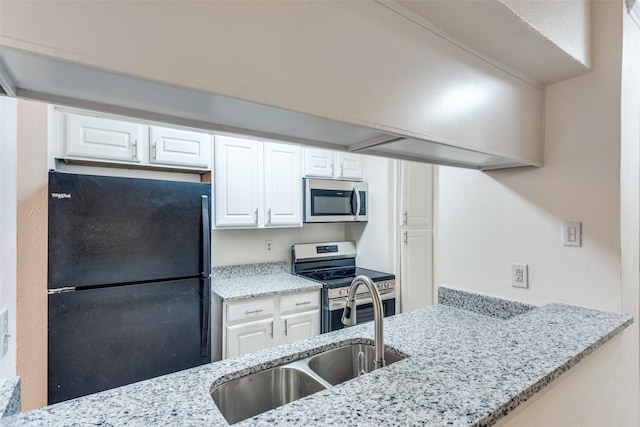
{"x":282,"y":184}
{"x":348,"y":166}
{"x":179,"y":147}
{"x":257,"y":184}
{"x":417,"y":194}
{"x":82,"y":137}
{"x":105,"y":139}
{"x":330,"y":164}
{"x":237,"y":180}
{"x":318,"y":163}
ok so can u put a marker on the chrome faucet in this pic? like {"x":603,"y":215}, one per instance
{"x":349,"y":314}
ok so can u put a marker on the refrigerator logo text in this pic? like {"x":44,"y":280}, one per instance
{"x":60,"y":196}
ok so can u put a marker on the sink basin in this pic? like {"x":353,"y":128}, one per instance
{"x":262,"y":391}
{"x":342,"y":364}
{"x":256,"y":393}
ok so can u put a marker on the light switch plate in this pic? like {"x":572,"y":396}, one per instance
{"x":572,"y":234}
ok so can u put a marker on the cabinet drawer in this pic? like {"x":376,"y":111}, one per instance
{"x":250,"y":310}
{"x":300,"y":302}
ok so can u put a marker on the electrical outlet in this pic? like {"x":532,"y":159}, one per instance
{"x":519,"y":276}
{"x":4,"y":332}
{"x":268,"y":245}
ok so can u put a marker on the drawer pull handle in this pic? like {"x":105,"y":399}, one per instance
{"x":253,"y":311}
{"x":303,"y":303}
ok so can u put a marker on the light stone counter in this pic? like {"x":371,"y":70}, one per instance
{"x":464,"y":368}
{"x":257,"y":280}
{"x":9,"y":397}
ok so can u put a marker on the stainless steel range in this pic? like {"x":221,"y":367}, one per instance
{"x":334,"y":265}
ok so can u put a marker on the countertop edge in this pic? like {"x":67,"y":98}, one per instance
{"x":311,"y":287}
{"x":508,"y":407}
{"x":10,"y":397}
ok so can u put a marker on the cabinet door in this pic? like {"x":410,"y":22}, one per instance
{"x":236,"y":181}
{"x":417,"y":194}
{"x":104,"y":139}
{"x":282,"y":185}
{"x":180,"y":148}
{"x":348,"y":166}
{"x":249,"y":337}
{"x":300,"y":326}
{"x":416,"y":259}
{"x":318,"y":163}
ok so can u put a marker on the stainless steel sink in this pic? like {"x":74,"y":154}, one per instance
{"x":344,"y":363}
{"x":256,"y":393}
{"x":262,"y":391}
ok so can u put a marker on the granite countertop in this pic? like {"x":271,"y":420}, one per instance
{"x":9,"y":397}
{"x":257,"y":280}
{"x":465,"y":367}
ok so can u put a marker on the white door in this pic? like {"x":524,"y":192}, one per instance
{"x":416,"y":256}
{"x":180,"y":148}
{"x":104,"y":139}
{"x":349,"y":166}
{"x":318,"y":163}
{"x":417,"y":194}
{"x":237,"y":178}
{"x":282,"y":185}
{"x":249,"y":337}
{"x":300,"y":326}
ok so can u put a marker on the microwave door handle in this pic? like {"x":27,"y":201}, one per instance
{"x":357,"y":202}
{"x":354,"y":202}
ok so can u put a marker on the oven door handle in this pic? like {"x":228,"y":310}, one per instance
{"x":340,"y":303}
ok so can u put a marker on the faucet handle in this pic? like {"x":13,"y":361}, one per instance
{"x":349,"y":313}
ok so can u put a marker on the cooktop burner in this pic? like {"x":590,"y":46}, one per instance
{"x":339,"y":277}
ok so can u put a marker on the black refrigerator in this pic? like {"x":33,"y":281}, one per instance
{"x":128,"y":281}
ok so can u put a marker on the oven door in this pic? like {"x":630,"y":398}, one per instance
{"x":328,"y":200}
{"x":332,"y":312}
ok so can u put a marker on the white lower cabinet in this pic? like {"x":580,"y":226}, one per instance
{"x":249,"y":337}
{"x":300,"y":326}
{"x":258,"y":323}
{"x":416,"y":269}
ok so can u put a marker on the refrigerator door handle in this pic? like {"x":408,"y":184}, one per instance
{"x":206,"y":239}
{"x":206,"y":279}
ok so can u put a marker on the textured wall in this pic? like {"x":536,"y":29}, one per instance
{"x":490,"y":220}
{"x":32,"y":253}
{"x":564,"y":23}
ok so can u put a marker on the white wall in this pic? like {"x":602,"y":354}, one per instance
{"x":8,"y":185}
{"x":375,"y":238}
{"x":574,"y":17}
{"x":490,"y":220}
{"x":231,"y":247}
{"x":356,"y":62}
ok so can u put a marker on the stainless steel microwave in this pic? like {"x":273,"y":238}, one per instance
{"x":330,"y":200}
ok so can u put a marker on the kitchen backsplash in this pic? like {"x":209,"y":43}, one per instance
{"x":237,"y":247}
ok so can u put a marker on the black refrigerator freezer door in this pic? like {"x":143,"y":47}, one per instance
{"x":109,"y":230}
{"x":108,"y":337}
